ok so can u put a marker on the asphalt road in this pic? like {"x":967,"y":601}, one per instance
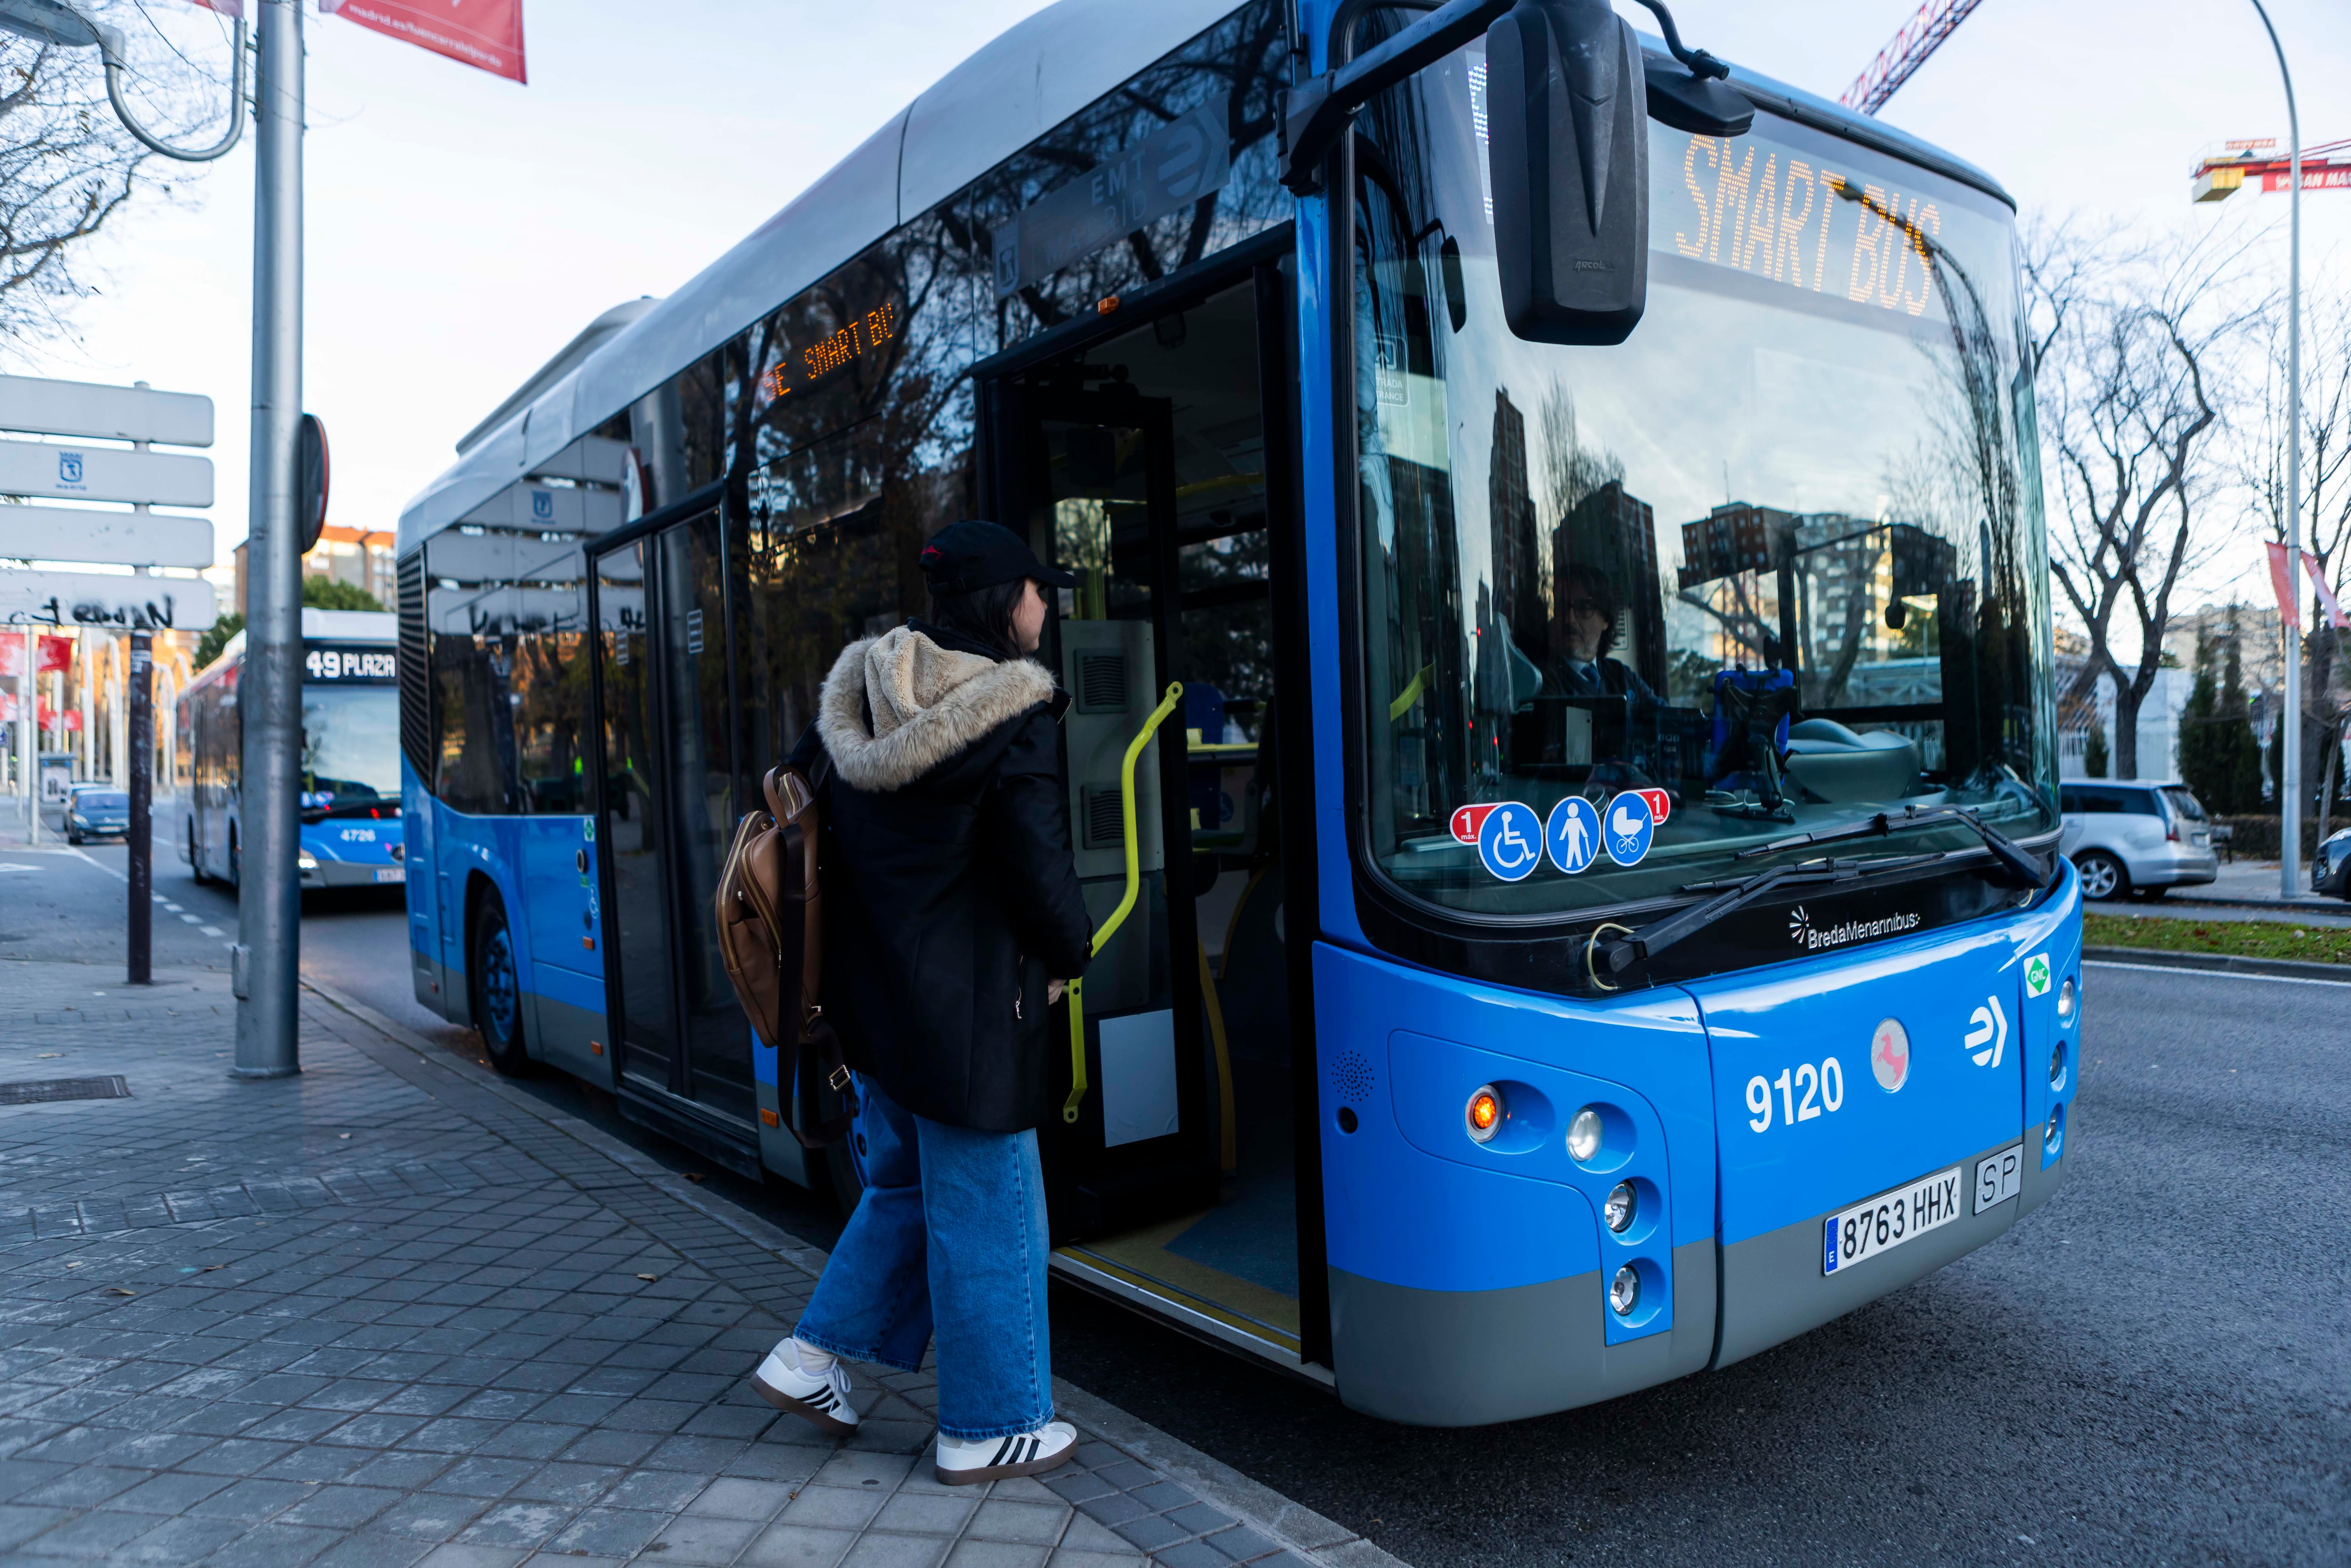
{"x":2155,"y":1367}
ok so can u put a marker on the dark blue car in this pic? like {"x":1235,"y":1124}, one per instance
{"x":98,"y":814}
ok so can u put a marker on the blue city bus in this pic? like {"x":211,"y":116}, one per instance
{"x":351,"y":780}
{"x":1599,"y":912}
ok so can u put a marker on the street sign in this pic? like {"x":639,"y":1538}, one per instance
{"x":105,"y":474}
{"x":93,"y":599}
{"x":108,"y":539}
{"x":118,"y":413}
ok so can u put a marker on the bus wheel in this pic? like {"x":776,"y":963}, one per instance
{"x":235,"y":861}
{"x":496,"y":989}
{"x":195,"y":861}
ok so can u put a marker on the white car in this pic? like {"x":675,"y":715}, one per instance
{"x":2137,"y":837}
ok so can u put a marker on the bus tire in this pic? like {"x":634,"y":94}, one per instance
{"x":195,"y":860}
{"x":236,"y":860}
{"x":494,"y":987}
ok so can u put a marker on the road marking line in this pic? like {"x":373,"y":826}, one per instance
{"x":2217,"y":974}
{"x":193,"y":919}
{"x":212,"y":931}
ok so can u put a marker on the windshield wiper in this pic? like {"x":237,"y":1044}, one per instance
{"x":1622,"y":954}
{"x":2023,"y":868}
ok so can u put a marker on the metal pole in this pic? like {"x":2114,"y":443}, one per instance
{"x":29,"y":730}
{"x":141,"y":763}
{"x":266,"y":963}
{"x":2289,"y":768}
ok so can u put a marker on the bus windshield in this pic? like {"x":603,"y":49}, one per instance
{"x":1774,"y":565}
{"x":350,"y":749}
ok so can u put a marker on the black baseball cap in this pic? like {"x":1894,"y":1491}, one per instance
{"x":974,"y":554}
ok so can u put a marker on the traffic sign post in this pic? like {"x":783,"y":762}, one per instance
{"x":142,"y":781}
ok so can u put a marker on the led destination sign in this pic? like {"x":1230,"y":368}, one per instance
{"x":1775,"y":211}
{"x":828,"y":356}
{"x":343,"y":665}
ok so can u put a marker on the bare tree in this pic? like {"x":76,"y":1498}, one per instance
{"x":67,"y":167}
{"x":2325,"y":504}
{"x":2132,"y":341}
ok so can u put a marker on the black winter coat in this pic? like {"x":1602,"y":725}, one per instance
{"x":951,"y":896}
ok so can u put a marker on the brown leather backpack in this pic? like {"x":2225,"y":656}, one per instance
{"x":771,"y":913}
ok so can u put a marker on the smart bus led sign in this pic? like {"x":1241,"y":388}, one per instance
{"x":826,"y":358}
{"x":333,"y":665}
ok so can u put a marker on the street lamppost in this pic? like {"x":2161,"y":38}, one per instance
{"x":2290,"y":767}
{"x":265,"y":961}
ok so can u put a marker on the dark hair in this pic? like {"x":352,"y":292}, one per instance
{"x":1602,"y":594}
{"x":984,"y":615}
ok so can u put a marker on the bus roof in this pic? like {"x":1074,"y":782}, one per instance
{"x":1014,"y":89}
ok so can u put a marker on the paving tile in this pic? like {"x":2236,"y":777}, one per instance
{"x":619,"y":1530}
{"x":1150,"y":1532}
{"x":82,"y":1486}
{"x":836,"y":1508}
{"x":519,"y":1524}
{"x":343,"y":1507}
{"x":1190,"y":1554}
{"x":178,"y":1542}
{"x":1031,"y":1523}
{"x":1199,"y":1519}
{"x":171,"y":1494}
{"x":273,"y":1545}
{"x":458,"y":1554}
{"x":736,"y":1498}
{"x":797,"y":1546}
{"x":927,"y":1513}
{"x":1241,"y":1544}
{"x":371,"y":1551}
{"x":876,"y":1550}
{"x":996,"y":1554}
{"x":565,"y":1482}
{"x":431,"y":1516}
{"x":703,"y":1539}
{"x":254,"y":1499}
{"x":1067,"y":1557}
{"x":93,"y":1535}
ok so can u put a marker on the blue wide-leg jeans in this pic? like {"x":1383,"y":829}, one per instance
{"x":951,"y":1232}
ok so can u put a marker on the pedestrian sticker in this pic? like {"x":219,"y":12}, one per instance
{"x":1467,"y":819}
{"x":1573,"y":834}
{"x":1510,"y":841}
{"x":1631,"y":824}
{"x":2036,"y":974}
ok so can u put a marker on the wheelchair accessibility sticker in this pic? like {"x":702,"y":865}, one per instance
{"x":1631,"y":824}
{"x":1511,"y":840}
{"x":1573,"y":834}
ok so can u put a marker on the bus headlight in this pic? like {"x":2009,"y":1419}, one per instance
{"x":306,"y":861}
{"x":1483,"y":1114}
{"x":1625,"y":1292}
{"x":1583,"y":1135}
{"x":2065,"y":999}
{"x":2057,"y":1066}
{"x":1618,"y":1209}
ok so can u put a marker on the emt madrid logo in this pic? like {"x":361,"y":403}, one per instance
{"x":1811,"y":939}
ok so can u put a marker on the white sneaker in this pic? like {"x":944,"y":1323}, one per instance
{"x":820,"y":1398}
{"x":963,"y":1464}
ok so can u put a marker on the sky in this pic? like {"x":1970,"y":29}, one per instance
{"x":461,"y":228}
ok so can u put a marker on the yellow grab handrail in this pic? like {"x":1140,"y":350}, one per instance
{"x":1076,"y":993}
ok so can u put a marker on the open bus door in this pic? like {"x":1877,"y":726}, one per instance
{"x":1138,"y":460}
{"x":664,"y":814}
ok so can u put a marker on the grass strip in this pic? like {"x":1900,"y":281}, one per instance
{"x":2239,"y":938}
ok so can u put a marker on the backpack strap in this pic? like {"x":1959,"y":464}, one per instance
{"x":793,"y":800}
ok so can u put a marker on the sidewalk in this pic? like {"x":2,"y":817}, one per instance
{"x":392,"y":1311}
{"x":2250,"y":888}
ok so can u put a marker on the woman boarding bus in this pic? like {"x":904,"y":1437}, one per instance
{"x":1559,"y":671}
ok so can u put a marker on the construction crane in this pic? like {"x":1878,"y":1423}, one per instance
{"x":2222,"y":172}
{"x":1898,"y":61}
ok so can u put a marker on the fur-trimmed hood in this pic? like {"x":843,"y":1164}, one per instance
{"x":926,"y":703}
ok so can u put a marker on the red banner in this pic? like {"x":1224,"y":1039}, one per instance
{"x":2281,"y":582}
{"x":484,"y":34}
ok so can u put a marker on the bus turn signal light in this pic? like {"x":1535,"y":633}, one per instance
{"x":1484,"y":1114}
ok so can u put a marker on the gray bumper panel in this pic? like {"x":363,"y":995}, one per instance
{"x":1469,"y":1358}
{"x":1773,"y":1290}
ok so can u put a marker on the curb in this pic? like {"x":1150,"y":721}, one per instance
{"x":2224,"y":963}
{"x":1290,"y":1524}
{"x":2317,"y":904}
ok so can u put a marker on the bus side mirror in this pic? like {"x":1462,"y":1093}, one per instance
{"x":1567,"y":100}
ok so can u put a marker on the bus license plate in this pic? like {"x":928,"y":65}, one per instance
{"x":391,"y":873}
{"x":1888,"y":1221}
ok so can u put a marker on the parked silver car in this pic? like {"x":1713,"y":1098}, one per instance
{"x":2135,"y":836}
